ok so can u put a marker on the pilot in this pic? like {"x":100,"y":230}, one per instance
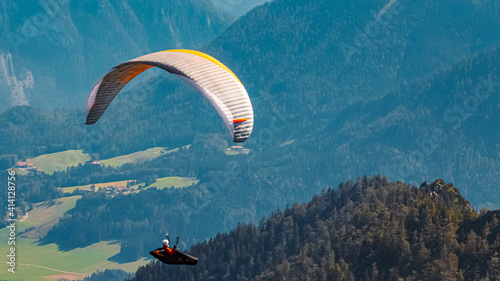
{"x":166,"y":246}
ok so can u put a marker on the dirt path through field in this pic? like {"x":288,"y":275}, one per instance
{"x":24,"y":218}
{"x":48,"y":268}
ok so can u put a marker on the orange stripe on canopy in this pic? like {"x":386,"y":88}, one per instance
{"x":239,"y":120}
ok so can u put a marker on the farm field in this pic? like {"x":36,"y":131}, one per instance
{"x":46,"y":262}
{"x":139,"y":157}
{"x":59,"y":161}
{"x":167,"y":182}
{"x":88,"y":187}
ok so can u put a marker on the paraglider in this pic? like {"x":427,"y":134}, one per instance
{"x":217,"y":83}
{"x":169,"y":255}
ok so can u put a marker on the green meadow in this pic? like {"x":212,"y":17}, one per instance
{"x":59,"y":161}
{"x":167,"y":182}
{"x":176,"y":182}
{"x":87,"y":187}
{"x":36,"y":262}
{"x":46,"y":262}
{"x":138,"y":157}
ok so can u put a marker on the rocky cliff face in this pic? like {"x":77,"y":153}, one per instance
{"x":52,"y":52}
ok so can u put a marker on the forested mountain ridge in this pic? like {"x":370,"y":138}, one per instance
{"x":370,"y":229}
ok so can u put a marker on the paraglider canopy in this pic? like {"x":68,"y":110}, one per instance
{"x":217,"y":83}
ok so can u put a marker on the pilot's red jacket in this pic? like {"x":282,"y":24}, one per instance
{"x":169,"y":251}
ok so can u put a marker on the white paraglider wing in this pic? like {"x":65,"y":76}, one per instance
{"x":211,"y":78}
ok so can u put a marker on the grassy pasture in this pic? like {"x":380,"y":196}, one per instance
{"x":59,"y":161}
{"x":35,"y":262}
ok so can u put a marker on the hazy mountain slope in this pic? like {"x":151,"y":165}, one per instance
{"x":320,"y":64}
{"x":237,"y":7}
{"x":287,"y":49}
{"x":444,"y":125}
{"x":52,"y":54}
{"x":370,"y":229}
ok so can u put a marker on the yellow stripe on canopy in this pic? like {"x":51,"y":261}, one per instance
{"x":207,"y":57}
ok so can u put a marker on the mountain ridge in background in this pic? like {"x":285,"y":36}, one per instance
{"x":87,"y":38}
{"x":237,"y":8}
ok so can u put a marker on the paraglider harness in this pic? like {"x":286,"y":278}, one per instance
{"x":173,"y":256}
